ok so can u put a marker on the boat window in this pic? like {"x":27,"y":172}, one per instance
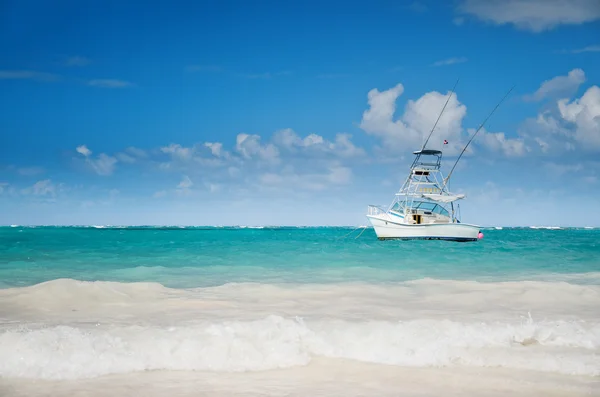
{"x":422,"y":205}
{"x":428,"y":206}
{"x":441,"y":210}
{"x":398,"y":207}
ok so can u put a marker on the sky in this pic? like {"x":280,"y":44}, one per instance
{"x":296,"y":112}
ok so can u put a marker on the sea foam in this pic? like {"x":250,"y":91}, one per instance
{"x":83,"y":351}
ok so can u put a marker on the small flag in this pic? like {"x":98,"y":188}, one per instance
{"x":445,"y":142}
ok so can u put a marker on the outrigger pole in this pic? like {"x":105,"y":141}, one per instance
{"x":440,"y":116}
{"x":480,"y":127}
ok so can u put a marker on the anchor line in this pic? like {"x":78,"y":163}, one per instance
{"x":347,"y":234}
{"x":473,"y":137}
{"x":364,"y":228}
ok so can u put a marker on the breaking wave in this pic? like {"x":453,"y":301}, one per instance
{"x":72,"y":352}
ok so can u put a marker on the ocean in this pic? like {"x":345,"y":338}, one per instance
{"x":282,"y":311}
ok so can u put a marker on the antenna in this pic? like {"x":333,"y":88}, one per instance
{"x":440,"y":116}
{"x":480,"y":126}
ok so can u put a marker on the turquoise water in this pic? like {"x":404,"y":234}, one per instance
{"x":202,"y":257}
{"x":295,"y":304}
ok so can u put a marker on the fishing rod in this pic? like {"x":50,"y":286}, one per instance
{"x":481,"y":126}
{"x":440,"y":116}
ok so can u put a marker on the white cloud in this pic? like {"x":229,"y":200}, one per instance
{"x":131,"y":155}
{"x":140,"y":153}
{"x":125,"y":158}
{"x":547,"y":133}
{"x":178,"y":152}
{"x":568,"y":125}
{"x":450,"y":61}
{"x":109,"y":83}
{"x":103,"y":164}
{"x":216,"y":148}
{"x":316,"y":144}
{"x":497,"y":142}
{"x":532,"y":15}
{"x":378,"y":119}
{"x":3,"y":187}
{"x":249,"y":147}
{"x":559,"y":86}
{"x":83,"y":150}
{"x":584,"y":114}
{"x":43,"y":188}
{"x":410,"y":131}
{"x":209,"y":154}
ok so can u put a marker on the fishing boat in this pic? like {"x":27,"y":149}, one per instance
{"x":424,"y":208}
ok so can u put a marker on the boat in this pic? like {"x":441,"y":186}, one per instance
{"x":423,"y":208}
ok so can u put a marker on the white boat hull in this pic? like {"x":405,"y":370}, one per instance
{"x":385,"y":228}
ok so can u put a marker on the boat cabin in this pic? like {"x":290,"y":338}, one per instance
{"x":421,"y":212}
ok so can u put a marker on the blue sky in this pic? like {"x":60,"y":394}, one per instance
{"x":294,"y":113}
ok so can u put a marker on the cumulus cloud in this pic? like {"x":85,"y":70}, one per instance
{"x":140,"y":153}
{"x":209,"y":154}
{"x":498,"y":142}
{"x":314,"y":144}
{"x":532,"y":15}
{"x":249,"y":147}
{"x":249,"y":152}
{"x":103,"y":164}
{"x":410,"y":130}
{"x":559,"y":86}
{"x":42,"y":188}
{"x":131,"y":155}
{"x":216,"y":148}
{"x":178,"y":152}
{"x":584,"y":115}
{"x":83,"y":150}
{"x":568,"y":125}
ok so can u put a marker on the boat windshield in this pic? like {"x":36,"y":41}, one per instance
{"x":424,"y":206}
